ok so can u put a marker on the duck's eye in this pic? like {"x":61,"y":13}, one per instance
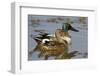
{"x":69,"y":27}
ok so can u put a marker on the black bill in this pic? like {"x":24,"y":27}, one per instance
{"x":73,"y":29}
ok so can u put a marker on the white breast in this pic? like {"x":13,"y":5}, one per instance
{"x":68,"y":39}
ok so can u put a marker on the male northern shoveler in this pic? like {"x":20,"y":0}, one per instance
{"x":54,"y":46}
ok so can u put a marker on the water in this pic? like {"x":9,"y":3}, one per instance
{"x":79,"y":39}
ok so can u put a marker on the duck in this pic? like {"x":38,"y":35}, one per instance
{"x":55,"y":46}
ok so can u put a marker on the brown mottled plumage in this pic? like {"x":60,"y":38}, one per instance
{"x":52,"y":49}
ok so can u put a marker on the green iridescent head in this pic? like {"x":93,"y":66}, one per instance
{"x":66,"y":27}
